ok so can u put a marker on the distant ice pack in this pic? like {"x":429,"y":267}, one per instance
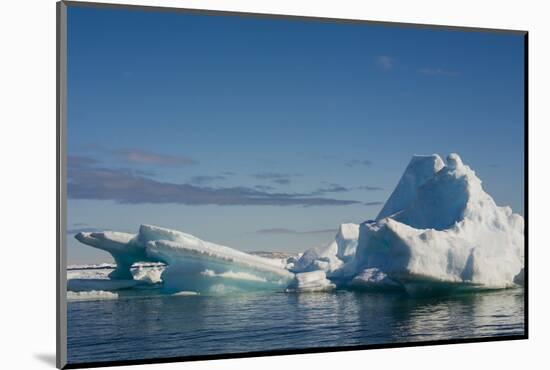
{"x":439,"y":231}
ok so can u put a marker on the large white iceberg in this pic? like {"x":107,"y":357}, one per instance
{"x":438,"y":231}
{"x":447,"y":233}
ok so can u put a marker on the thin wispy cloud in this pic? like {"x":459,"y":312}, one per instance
{"x":373,"y":203}
{"x":332,"y":188}
{"x":143,"y":157}
{"x":369,"y":188}
{"x":358,"y":162}
{"x":281,"y":181}
{"x":206,"y":179}
{"x":273,"y":175}
{"x":125,"y":186}
{"x":79,"y":224}
{"x":436,"y":72}
{"x":335,"y":188}
{"x":285,"y":231}
{"x":77,"y":161}
{"x":385,"y":62}
{"x":264,"y":187}
{"x":276,"y":177}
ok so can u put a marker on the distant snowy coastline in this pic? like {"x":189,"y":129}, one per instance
{"x":98,"y":266}
{"x":439,"y":231}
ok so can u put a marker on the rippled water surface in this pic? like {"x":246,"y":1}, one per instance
{"x":140,"y":327}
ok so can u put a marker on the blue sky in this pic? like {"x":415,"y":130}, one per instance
{"x":266,"y":134}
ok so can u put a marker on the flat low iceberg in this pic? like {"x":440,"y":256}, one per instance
{"x":201,"y":266}
{"x":439,"y":231}
{"x":192,"y":264}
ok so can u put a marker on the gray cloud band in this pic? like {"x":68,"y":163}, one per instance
{"x":85,"y":181}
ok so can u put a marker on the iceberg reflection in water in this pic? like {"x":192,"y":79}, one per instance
{"x":144,"y":326}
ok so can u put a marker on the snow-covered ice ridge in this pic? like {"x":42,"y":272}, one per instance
{"x":438,"y":231}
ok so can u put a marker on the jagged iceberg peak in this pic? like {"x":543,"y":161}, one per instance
{"x":451,"y":231}
{"x":454,"y":161}
{"x":421,"y":168}
{"x":451,"y":194}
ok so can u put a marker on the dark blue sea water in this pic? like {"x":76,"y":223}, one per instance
{"x":140,"y":327}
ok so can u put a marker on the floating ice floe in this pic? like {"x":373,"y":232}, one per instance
{"x":438,"y":231}
{"x":192,"y":264}
{"x":91,"y":295}
{"x":313,"y":281}
{"x":98,"y":277}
